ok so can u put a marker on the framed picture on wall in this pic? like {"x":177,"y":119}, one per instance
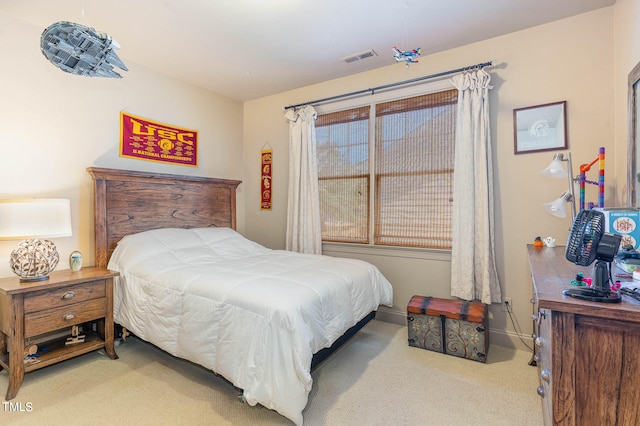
{"x":540,"y":128}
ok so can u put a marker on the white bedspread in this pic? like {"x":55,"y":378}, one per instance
{"x":254,"y":315}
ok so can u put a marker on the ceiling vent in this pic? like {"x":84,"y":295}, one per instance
{"x":358,"y":56}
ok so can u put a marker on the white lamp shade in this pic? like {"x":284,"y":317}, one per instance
{"x":555,"y":169}
{"x":36,"y":217}
{"x":558,"y":206}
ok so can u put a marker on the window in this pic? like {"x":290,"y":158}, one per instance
{"x":343,"y":174}
{"x":393,"y":162}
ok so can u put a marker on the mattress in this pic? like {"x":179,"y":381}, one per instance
{"x":252,"y":314}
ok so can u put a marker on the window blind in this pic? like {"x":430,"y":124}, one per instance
{"x":415,"y":140}
{"x":343,"y":174}
{"x":412,"y":173}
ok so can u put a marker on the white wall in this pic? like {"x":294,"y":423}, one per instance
{"x":570,"y":60}
{"x":54,"y":125}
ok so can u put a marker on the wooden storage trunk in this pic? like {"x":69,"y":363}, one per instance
{"x":453,"y":327}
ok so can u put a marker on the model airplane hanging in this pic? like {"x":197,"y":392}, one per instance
{"x":406,"y":56}
{"x":81,"y":50}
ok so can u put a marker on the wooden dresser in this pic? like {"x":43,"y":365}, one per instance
{"x":31,"y":311}
{"x":587,"y":353}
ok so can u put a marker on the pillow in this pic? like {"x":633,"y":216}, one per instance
{"x":155,"y":243}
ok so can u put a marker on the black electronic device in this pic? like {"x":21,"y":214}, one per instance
{"x":588,"y":242}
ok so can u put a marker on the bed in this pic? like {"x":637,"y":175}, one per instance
{"x":196,"y":288}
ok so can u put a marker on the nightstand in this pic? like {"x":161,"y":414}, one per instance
{"x":31,"y":310}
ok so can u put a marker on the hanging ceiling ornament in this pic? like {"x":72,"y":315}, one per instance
{"x":407,"y":56}
{"x":81,"y":50}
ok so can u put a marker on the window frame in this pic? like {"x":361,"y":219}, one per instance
{"x":371,"y":101}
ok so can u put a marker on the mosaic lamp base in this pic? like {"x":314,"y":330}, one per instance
{"x":34,"y":259}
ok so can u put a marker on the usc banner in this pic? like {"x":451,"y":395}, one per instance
{"x":153,"y":141}
{"x":265,"y":179}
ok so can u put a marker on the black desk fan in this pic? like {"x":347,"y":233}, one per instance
{"x":588,"y":242}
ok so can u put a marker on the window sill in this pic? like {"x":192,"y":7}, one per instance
{"x":388,"y":251}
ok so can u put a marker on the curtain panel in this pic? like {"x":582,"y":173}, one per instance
{"x":473,"y":270}
{"x":304,"y":234}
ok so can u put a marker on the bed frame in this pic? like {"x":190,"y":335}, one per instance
{"x":127,"y":202}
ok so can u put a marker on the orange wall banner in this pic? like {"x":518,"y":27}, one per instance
{"x":153,"y":141}
{"x":265,"y":180}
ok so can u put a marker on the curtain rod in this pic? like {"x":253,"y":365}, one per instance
{"x":387,"y":86}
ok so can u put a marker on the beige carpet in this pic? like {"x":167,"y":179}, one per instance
{"x":375,"y":379}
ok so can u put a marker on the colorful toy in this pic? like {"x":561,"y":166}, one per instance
{"x":616,"y":286}
{"x":581,"y":280}
{"x":538,"y":242}
{"x":584,"y":168}
{"x":406,"y":56}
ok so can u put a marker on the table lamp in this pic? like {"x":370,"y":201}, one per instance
{"x":32,"y":220}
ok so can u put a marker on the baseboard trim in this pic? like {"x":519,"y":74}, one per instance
{"x":393,"y":316}
{"x":510,"y":339}
{"x":496,"y":337}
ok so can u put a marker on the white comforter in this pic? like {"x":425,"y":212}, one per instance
{"x":252,"y":314}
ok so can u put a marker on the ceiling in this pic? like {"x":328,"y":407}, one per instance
{"x":246,"y":49}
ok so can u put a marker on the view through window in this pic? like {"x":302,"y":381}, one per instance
{"x":385,"y":172}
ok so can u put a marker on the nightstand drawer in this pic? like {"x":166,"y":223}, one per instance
{"x":47,"y":299}
{"x":66,"y":316}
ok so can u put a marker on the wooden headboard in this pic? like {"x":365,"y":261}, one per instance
{"x":126,"y":202}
